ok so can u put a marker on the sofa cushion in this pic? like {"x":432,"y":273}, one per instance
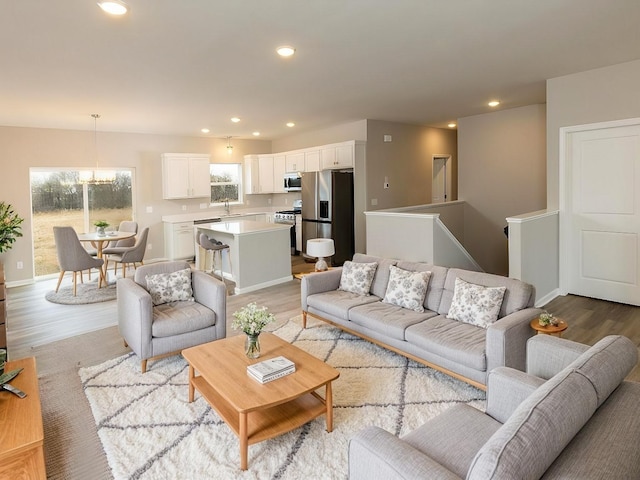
{"x":357,"y":277}
{"x":454,"y":437}
{"x":436,"y":281}
{"x":338,"y":303}
{"x":381,"y":277}
{"x":390,"y":320}
{"x":407,"y":289}
{"x":459,"y":342}
{"x":175,"y":318}
{"x":170,"y":287}
{"x":537,"y":432}
{"x":518,"y":295}
{"x":475,"y":304}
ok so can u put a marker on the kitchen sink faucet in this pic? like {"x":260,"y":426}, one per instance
{"x":227,"y":207}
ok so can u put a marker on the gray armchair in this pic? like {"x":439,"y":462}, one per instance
{"x":158,"y":331}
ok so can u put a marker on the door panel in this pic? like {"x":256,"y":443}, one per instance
{"x":603,"y":211}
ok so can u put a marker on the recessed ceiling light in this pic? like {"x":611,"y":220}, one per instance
{"x":114,"y":7}
{"x":451,"y":125}
{"x":256,"y":134}
{"x":235,"y":119}
{"x":285,"y":51}
{"x":494,"y":103}
{"x":291,"y":124}
{"x":205,"y":130}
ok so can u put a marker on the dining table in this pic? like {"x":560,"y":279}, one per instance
{"x":98,"y":240}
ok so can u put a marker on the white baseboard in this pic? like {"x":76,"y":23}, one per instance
{"x":259,"y":286}
{"x":540,"y":302}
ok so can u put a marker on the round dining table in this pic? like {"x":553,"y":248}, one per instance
{"x":98,"y":241}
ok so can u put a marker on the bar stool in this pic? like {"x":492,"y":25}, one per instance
{"x":215,"y":248}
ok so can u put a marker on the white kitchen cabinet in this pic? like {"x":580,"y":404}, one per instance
{"x":337,"y":156}
{"x":185,"y":175}
{"x":294,"y":162}
{"x":312,"y":161}
{"x":179,"y":240}
{"x":279,"y":169}
{"x":259,"y":176}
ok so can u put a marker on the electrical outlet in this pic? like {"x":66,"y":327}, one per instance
{"x":269,"y":201}
{"x":19,"y":265}
{"x":149,"y":209}
{"x":184,"y":208}
{"x":374,"y":202}
{"x":203,"y":206}
{"x":149,"y":246}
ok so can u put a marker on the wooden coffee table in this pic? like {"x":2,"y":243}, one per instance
{"x":255,"y":411}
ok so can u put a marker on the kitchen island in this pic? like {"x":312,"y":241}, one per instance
{"x":260,"y":252}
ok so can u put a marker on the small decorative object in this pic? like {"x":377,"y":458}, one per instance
{"x":9,"y":226}
{"x":100,"y":226}
{"x":251,"y":320}
{"x":5,"y":378}
{"x":547,"y":319}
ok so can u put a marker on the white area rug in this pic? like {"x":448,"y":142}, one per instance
{"x":150,"y":431}
{"x":87,"y":292}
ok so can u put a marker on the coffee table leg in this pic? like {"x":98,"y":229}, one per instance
{"x":329,"y":403}
{"x":244,"y":441}
{"x":191,"y":386}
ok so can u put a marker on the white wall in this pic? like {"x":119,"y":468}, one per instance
{"x":610,"y":93}
{"x":501,"y":173}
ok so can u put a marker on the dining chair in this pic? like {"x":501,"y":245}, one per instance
{"x":119,"y":246}
{"x":72,"y":257}
{"x":129,"y":255}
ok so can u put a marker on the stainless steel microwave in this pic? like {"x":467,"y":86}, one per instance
{"x":292,"y":182}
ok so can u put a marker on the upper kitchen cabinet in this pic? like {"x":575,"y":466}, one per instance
{"x":259,"y":174}
{"x":294,"y":162}
{"x":337,"y":156}
{"x":312,"y":161}
{"x":185,"y":175}
{"x":279,"y":169}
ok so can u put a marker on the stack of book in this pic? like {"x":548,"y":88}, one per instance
{"x":271,"y":369}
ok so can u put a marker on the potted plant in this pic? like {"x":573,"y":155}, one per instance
{"x":546,"y":319}
{"x":251,"y":320}
{"x":9,"y":226}
{"x":100,"y":226}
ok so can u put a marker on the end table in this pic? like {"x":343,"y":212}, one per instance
{"x":555,"y":330}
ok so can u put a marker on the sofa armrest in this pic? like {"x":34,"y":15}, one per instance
{"x":375,"y":454}
{"x":135,"y":315}
{"x":506,"y":389}
{"x":319,"y":282}
{"x":507,"y":339}
{"x":212,"y":293}
{"x":547,"y":355}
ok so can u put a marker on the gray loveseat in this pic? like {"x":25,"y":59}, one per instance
{"x":462,"y":350}
{"x":582,"y":423}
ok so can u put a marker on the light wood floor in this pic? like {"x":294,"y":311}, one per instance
{"x":33,"y":321}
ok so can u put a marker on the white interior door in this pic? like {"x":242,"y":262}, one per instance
{"x":439,"y":187}
{"x":603,"y":213}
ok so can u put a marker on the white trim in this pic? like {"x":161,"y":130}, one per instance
{"x":565,"y":190}
{"x":259,"y":286}
{"x":547,"y":298}
{"x":526,"y":217}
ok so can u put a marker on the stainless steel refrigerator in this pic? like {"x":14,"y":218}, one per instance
{"x":327,"y":211}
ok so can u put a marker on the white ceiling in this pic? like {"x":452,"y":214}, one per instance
{"x":176,"y":66}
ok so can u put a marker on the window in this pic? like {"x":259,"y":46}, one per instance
{"x":226,"y":182}
{"x":59,"y":197}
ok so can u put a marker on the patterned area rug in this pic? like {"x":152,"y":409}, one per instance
{"x":150,"y":431}
{"x":87,"y":292}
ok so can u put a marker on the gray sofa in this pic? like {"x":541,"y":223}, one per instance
{"x":582,"y":423}
{"x":462,"y":350}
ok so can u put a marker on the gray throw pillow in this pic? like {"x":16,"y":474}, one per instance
{"x":170,"y":287}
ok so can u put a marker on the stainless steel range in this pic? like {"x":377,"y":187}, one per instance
{"x":288,"y":217}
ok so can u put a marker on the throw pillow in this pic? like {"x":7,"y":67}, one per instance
{"x":170,"y":287}
{"x":407,"y":289}
{"x":357,"y":277}
{"x":475,"y":304}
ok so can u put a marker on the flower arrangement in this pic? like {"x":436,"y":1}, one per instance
{"x":251,"y":319}
{"x":547,"y":319}
{"x":9,"y":226}
{"x":101,"y":224}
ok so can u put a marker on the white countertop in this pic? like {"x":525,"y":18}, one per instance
{"x":243,"y":227}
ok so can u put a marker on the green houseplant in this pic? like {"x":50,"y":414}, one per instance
{"x":9,"y":226}
{"x":100,"y":226}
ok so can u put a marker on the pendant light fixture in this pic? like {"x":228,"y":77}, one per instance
{"x":97,"y":176}
{"x":229,"y":146}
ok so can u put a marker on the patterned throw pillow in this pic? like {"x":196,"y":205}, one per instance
{"x":357,"y":277}
{"x":475,"y":304}
{"x":407,"y":289}
{"x":170,"y":287}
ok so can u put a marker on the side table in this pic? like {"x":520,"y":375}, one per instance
{"x":555,"y":330}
